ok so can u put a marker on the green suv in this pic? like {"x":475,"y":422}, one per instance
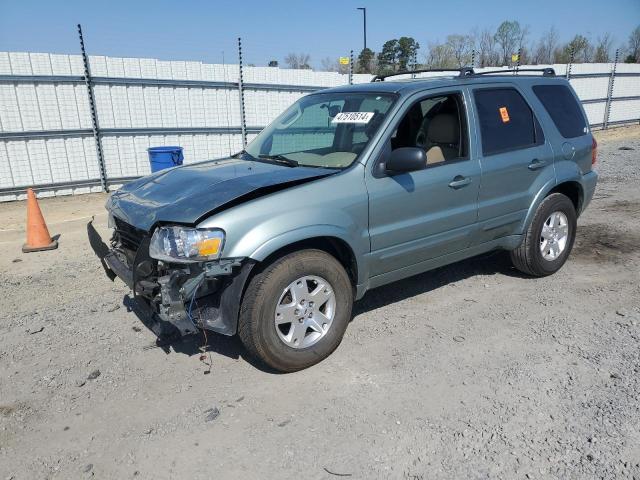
{"x":349,"y":189}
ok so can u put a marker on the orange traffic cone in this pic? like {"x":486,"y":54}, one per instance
{"x":38,"y":237}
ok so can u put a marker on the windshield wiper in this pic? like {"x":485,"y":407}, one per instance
{"x":280,"y":158}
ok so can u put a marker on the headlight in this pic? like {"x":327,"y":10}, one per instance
{"x":186,"y":245}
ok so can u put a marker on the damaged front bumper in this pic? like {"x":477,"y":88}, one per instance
{"x":186,"y":296}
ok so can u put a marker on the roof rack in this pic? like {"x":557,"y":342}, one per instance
{"x":469,"y":72}
{"x":546,"y":72}
{"x":462,"y":72}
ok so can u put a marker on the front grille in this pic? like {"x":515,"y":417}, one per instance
{"x":129,"y":236}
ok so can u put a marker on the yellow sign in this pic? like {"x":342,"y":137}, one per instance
{"x":344,"y":60}
{"x":514,"y":57}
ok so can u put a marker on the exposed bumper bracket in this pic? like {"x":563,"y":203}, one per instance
{"x":217,"y":311}
{"x":118,"y":267}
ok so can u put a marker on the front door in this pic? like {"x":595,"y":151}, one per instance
{"x":417,"y":216}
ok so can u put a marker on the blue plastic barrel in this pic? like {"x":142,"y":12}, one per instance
{"x":164,"y":157}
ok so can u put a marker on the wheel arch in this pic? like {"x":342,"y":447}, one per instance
{"x":570,"y":188}
{"x":334,"y":245}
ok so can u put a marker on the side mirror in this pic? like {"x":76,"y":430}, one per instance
{"x":406,"y":159}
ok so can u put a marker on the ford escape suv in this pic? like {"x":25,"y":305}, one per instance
{"x":349,"y":189}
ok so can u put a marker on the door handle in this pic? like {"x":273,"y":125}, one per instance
{"x":459,"y":181}
{"x":536,"y":164}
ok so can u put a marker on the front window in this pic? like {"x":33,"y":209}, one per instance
{"x":323,"y":130}
{"x":437,"y":125}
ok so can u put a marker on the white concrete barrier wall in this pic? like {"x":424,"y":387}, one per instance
{"x":39,"y":106}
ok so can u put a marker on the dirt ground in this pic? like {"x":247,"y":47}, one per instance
{"x":469,"y":371}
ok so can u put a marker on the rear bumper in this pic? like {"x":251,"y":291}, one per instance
{"x":207,"y":296}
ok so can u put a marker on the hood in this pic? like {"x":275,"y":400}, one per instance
{"x":186,"y":194}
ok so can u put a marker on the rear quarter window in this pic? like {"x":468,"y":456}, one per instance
{"x":563,"y":109}
{"x":506,"y":121}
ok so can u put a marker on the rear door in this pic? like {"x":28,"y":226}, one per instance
{"x":563,"y":107}
{"x":516,"y":160}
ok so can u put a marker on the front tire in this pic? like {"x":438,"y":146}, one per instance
{"x":549,"y":239}
{"x":294,"y":313}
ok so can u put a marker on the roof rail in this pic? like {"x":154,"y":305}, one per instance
{"x":462,"y":72}
{"x":546,"y":72}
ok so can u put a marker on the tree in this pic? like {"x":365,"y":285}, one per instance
{"x":273,"y":63}
{"x":330,"y":65}
{"x":485,"y":44}
{"x":581,"y":48}
{"x":603,"y":49}
{"x":300,"y":60}
{"x":509,"y":36}
{"x":365,"y":62}
{"x":387,"y":58}
{"x":407,"y":48}
{"x":634,"y":44}
{"x":460,"y":48}
{"x":439,"y":56}
{"x":327,"y":64}
{"x":397,"y":54}
{"x":546,"y":47}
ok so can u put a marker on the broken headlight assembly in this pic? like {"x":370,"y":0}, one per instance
{"x":186,"y":245}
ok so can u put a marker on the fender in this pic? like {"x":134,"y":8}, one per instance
{"x":565,"y":171}
{"x":309,"y":232}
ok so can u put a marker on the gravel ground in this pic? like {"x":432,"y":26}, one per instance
{"x":469,"y":371}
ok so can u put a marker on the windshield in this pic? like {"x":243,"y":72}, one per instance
{"x":323,"y":130}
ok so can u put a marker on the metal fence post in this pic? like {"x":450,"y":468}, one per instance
{"x":612,"y":79}
{"x":351,"y":67}
{"x":243,"y":122}
{"x":94,"y":113}
{"x":569,"y":65}
{"x":414,"y":59}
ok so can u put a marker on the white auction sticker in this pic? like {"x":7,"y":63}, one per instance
{"x":353,"y":117}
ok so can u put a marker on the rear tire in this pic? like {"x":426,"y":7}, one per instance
{"x":549,"y":239}
{"x":315,"y":290}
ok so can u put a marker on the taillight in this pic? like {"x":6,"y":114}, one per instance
{"x":594,"y":152}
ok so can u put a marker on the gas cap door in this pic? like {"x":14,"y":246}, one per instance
{"x":568,"y":151}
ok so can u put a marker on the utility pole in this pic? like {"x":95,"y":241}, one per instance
{"x":364,"y":17}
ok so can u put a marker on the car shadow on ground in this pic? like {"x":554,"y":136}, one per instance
{"x":99,"y":248}
{"x":491,"y":263}
{"x":203,"y":343}
{"x":168,"y":338}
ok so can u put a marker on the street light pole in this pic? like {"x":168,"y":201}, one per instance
{"x":364,"y":14}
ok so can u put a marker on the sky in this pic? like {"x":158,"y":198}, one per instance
{"x":203,"y":30}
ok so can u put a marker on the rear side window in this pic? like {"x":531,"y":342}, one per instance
{"x":506,"y":121}
{"x":563,"y":109}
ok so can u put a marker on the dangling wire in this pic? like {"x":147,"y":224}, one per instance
{"x":204,"y":348}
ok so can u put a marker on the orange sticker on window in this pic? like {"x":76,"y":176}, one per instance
{"x":504,"y":113}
